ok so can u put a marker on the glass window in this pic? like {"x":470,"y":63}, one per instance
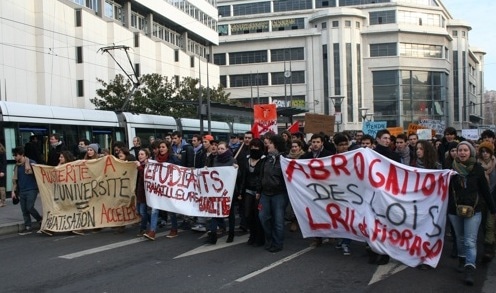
{"x":249,"y":27}
{"x":347,"y":23}
{"x":277,"y":55}
{"x":325,"y":3}
{"x":220,"y":59}
{"x":382,"y":17}
{"x":335,"y":23}
{"x":288,"y":24}
{"x":251,"y":8}
{"x":248,"y":57}
{"x":296,"y":77}
{"x":242,"y":80}
{"x":292,"y":5}
{"x":385,"y":49}
{"x":224,"y":11}
{"x":360,"y":2}
{"x":421,"y":50}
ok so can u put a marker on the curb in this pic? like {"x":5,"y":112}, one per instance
{"x":11,"y":228}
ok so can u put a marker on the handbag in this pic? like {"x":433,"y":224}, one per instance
{"x":15,"y":200}
{"x":465,"y":211}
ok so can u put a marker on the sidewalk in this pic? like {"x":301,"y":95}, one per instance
{"x":11,"y":217}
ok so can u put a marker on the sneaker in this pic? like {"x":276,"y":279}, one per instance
{"x":150,"y":235}
{"x":199,"y":228}
{"x":141,"y":233}
{"x":172,"y":233}
{"x":339,"y":245}
{"x":346,"y":249}
{"x":27,"y":230}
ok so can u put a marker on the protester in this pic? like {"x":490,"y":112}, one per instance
{"x":136,"y":146}
{"x":317,"y":150}
{"x":402,"y":149}
{"x":3,"y":178}
{"x":224,"y":158}
{"x":468,"y":191}
{"x":488,"y":161}
{"x":82,"y":148}
{"x":250,"y":176}
{"x":295,"y":153}
{"x":56,"y":147}
{"x":92,"y":152}
{"x":164,"y":156}
{"x":426,"y":156}
{"x":25,"y":188}
{"x":273,"y":195}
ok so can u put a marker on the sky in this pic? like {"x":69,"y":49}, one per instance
{"x":479,"y":14}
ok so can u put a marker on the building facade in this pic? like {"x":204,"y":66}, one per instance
{"x":402,"y":60}
{"x":51,"y":50}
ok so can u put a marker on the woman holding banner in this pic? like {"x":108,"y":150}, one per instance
{"x":143,"y":156}
{"x":224,"y":158}
{"x":164,"y":156}
{"x":468,"y":191}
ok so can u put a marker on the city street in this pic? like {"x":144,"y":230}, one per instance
{"x":110,"y":262}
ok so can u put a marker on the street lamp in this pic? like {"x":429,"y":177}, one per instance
{"x":364,"y":114}
{"x":336,"y":101}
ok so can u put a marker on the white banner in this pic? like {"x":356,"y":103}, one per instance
{"x":205,"y":192}
{"x":398,"y":210}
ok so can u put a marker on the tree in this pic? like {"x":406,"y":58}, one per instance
{"x":157,"y":95}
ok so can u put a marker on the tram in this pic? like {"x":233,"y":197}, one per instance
{"x":19,"y":122}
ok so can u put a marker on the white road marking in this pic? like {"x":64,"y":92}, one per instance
{"x":221,"y":243}
{"x":273,"y":265}
{"x":108,"y":247}
{"x":387,"y":270}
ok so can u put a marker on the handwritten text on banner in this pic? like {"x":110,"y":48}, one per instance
{"x":398,"y":210}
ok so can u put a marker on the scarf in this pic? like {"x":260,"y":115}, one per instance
{"x":27,"y":170}
{"x":224,"y":157}
{"x":162,"y":158}
{"x":419,"y":163}
{"x":404,"y":154}
{"x":295,"y":155}
{"x":464,"y":169}
{"x":488,"y":166}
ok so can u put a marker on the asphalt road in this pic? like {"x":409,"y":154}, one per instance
{"x":109,"y":262}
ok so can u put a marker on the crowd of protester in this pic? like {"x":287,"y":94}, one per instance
{"x":261,"y":197}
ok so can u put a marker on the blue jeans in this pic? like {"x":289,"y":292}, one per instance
{"x":27,"y":199}
{"x":466,"y":230}
{"x":272,"y":218}
{"x":173,"y":218}
{"x":143,"y":211}
{"x":154,"y":220}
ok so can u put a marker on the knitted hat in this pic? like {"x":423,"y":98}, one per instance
{"x":94,"y":146}
{"x":488,"y":146}
{"x":470,"y":147}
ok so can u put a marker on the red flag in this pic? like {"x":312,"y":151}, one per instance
{"x":254,"y":130}
{"x":294,"y":128}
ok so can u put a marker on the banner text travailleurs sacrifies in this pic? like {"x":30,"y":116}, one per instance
{"x":87,"y":194}
{"x":203,"y":192}
{"x":398,"y":210}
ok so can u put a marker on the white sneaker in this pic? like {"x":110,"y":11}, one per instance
{"x":199,"y":228}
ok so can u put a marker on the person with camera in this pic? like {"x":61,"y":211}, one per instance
{"x":468,"y":192}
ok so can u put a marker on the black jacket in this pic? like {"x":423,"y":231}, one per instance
{"x":272,"y":178}
{"x":466,"y":192}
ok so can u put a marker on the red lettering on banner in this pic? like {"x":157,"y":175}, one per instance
{"x":108,"y":163}
{"x":359,"y":165}
{"x":316,"y":226}
{"x":339,"y":162}
{"x":215,"y":205}
{"x":381,"y":181}
{"x":119,"y":214}
{"x":429,"y":187}
{"x":392,"y":181}
{"x":292,"y":166}
{"x":318,"y":170}
{"x":442,"y":186}
{"x":406,"y":239}
{"x":347,"y":222}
